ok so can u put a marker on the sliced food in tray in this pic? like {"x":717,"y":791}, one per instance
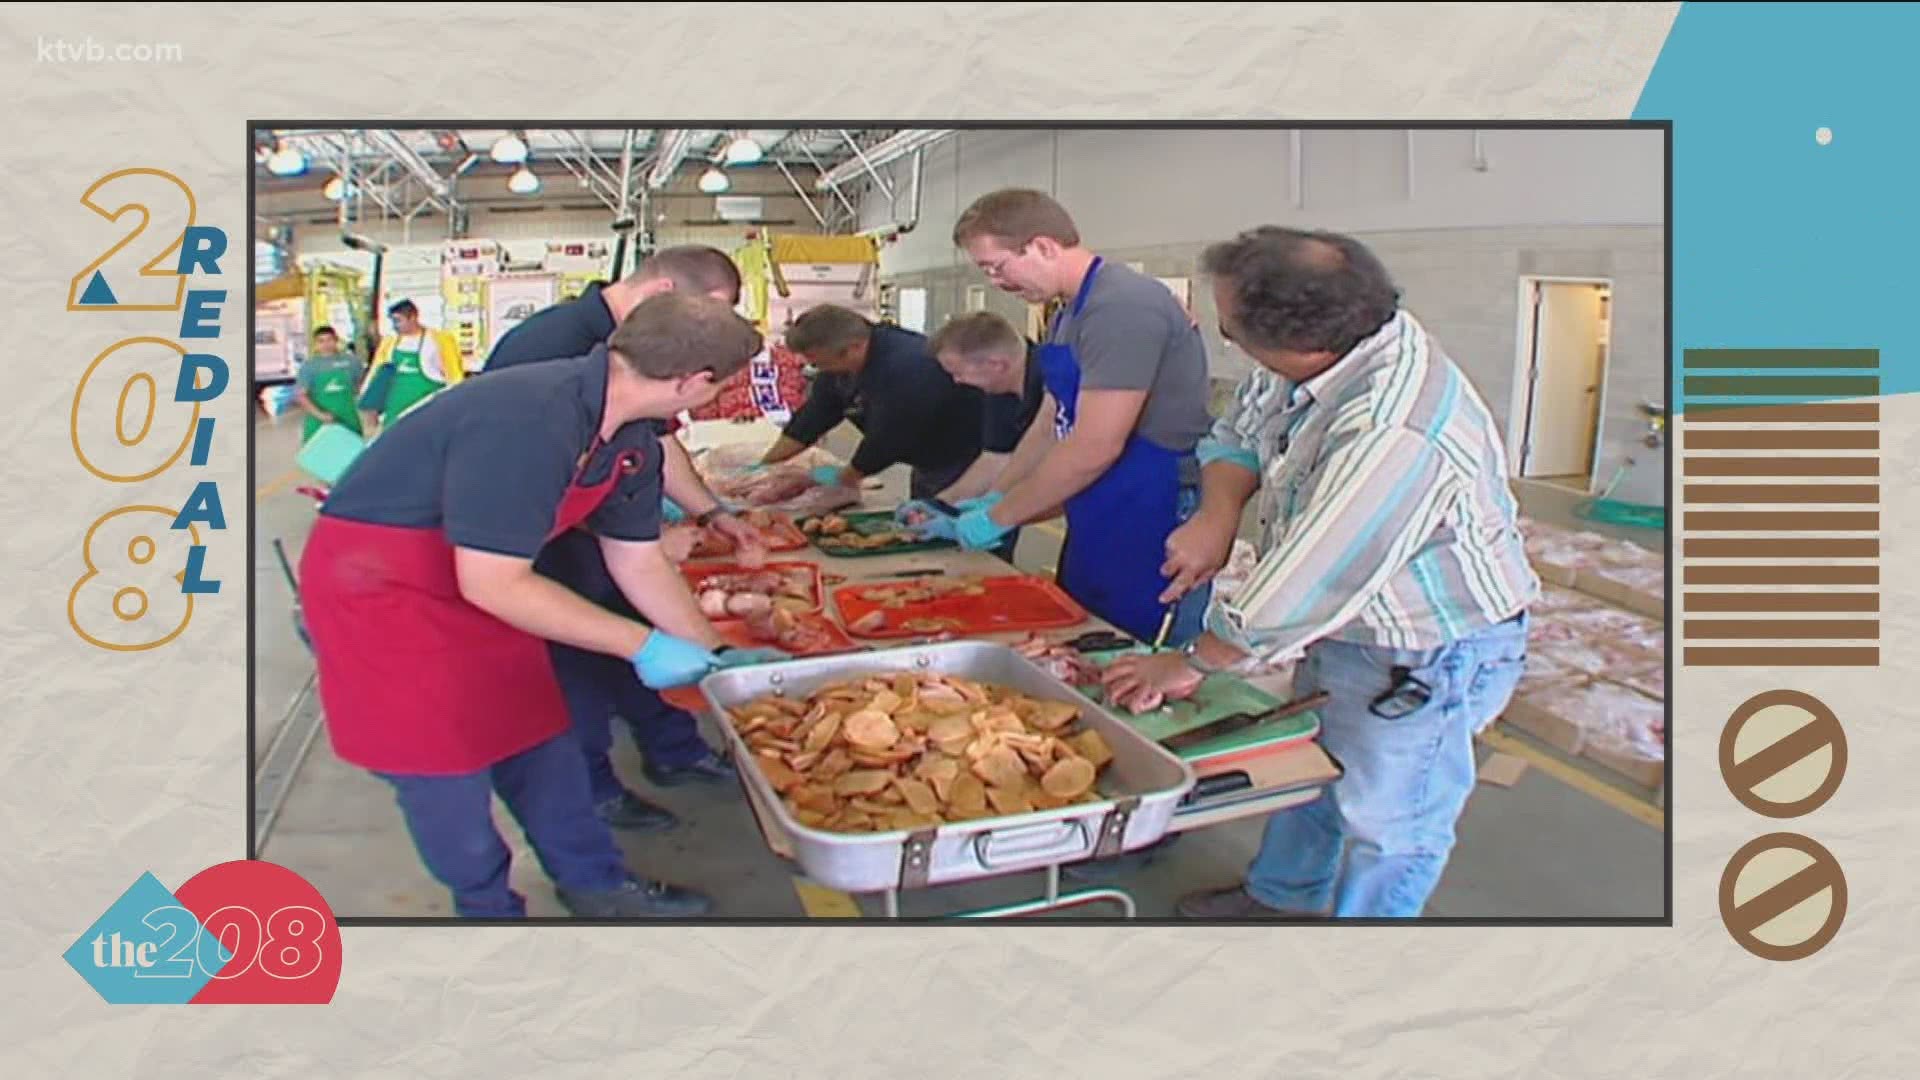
{"x":904,"y":751}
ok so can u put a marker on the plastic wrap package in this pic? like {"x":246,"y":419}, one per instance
{"x":1619,"y":555}
{"x":1555,"y":600}
{"x":1651,"y":681}
{"x":1599,"y":656}
{"x":1545,"y":670}
{"x":1551,"y":630}
{"x":1616,"y":627}
{"x":1620,"y":727}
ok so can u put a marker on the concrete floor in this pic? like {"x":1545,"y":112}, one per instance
{"x":1540,"y":849}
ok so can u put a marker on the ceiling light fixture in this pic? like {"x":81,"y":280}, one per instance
{"x":523,"y":182}
{"x":509,"y":149}
{"x":744,"y":151}
{"x":286,"y":161}
{"x":713,"y":182}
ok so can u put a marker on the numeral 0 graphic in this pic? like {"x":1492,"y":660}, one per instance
{"x":131,"y":599}
{"x":286,"y":946}
{"x":148,"y":369}
{"x":110,"y":284}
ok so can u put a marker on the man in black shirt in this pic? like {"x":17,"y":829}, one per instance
{"x":909,"y":409}
{"x":984,"y":351}
{"x":669,"y":741}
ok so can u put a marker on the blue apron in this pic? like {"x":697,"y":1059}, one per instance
{"x":1117,"y":528}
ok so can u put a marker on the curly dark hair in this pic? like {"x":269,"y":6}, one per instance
{"x":1303,"y":291}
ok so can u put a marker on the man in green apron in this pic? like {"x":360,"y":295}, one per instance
{"x":328,"y":384}
{"x":411,"y":366}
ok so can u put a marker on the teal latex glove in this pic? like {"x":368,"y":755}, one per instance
{"x":671,"y":511}
{"x":980,"y":502}
{"x":977,"y":532}
{"x":733,"y":658}
{"x":933,"y":525}
{"x":825,"y":474}
{"x":666,"y":662}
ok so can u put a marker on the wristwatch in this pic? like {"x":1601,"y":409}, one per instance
{"x":1191,"y":653}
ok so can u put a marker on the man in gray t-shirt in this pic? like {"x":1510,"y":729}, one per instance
{"x":1126,"y":377}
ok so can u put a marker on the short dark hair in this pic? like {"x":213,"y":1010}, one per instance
{"x":978,"y":334}
{"x":403,"y":307}
{"x":676,"y":334}
{"x":325,"y":331}
{"x":826,"y":328}
{"x":1016,"y":217}
{"x":693,"y":268}
{"x":1303,"y":291}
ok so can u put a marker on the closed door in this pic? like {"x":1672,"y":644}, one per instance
{"x":1568,"y":369}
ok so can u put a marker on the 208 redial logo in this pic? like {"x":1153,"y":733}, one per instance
{"x":240,"y":933}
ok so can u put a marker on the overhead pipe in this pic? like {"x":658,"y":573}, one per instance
{"x":901,"y":228}
{"x":834,"y":187}
{"x":879,"y":181}
{"x":802,"y":193}
{"x":438,"y":190}
{"x":674,"y":144}
{"x":884,"y":153}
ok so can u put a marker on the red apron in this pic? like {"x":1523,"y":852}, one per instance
{"x":413,"y":678}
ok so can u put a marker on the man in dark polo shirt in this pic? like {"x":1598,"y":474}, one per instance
{"x":909,"y":410}
{"x":430,"y":621}
{"x":984,"y":351}
{"x":672,"y":751}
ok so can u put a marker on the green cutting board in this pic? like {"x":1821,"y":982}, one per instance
{"x":1220,"y":696}
{"x":867,"y":523}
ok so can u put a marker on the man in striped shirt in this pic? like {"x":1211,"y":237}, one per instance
{"x":1392,"y":559}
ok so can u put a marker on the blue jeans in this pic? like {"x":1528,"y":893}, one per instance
{"x":1406,"y":783}
{"x":545,"y":788}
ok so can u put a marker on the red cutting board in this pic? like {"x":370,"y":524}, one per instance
{"x":1009,"y":604}
{"x":734,"y":632}
{"x":698,"y":573}
{"x":781,"y":535}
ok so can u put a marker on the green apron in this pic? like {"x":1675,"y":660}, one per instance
{"x":410,"y":384}
{"x":332,"y":390}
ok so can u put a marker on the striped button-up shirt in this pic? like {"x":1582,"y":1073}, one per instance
{"x":1384,"y":492}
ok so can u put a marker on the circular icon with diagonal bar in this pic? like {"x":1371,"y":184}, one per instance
{"x":1783,"y":754}
{"x":1783,"y":897}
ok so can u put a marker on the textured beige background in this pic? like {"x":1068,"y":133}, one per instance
{"x":118,"y":764}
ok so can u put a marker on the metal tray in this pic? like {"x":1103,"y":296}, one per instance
{"x":1145,"y":782}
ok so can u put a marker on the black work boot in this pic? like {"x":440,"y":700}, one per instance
{"x":631,"y":813}
{"x":638,"y":898}
{"x":708,"y":769}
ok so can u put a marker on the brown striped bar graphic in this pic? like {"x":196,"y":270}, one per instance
{"x":1780,"y":496}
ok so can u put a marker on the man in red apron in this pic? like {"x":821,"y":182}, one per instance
{"x":430,"y":625}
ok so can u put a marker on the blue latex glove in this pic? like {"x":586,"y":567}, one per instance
{"x":980,"y":502}
{"x":825,"y":474}
{"x":977,"y":532}
{"x":912,"y":507}
{"x":671,"y":511}
{"x":666,"y":662}
{"x":733,"y":658}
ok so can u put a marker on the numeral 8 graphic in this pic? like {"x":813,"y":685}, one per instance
{"x":130,"y":598}
{"x":233,"y":941}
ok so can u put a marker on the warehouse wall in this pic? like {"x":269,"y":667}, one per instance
{"x":1457,"y":239}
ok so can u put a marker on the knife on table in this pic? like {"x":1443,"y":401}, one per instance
{"x":1241,"y":721}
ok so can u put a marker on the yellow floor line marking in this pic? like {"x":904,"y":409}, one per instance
{"x":821,"y":902}
{"x":1641,"y":811}
{"x":276,"y":483}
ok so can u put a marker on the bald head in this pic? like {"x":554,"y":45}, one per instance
{"x":1296,"y":291}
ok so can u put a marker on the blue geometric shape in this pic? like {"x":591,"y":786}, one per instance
{"x":147,"y":950}
{"x":98,"y":292}
{"x":1780,"y":241}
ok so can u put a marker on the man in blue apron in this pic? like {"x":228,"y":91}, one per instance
{"x":1125,"y":370}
